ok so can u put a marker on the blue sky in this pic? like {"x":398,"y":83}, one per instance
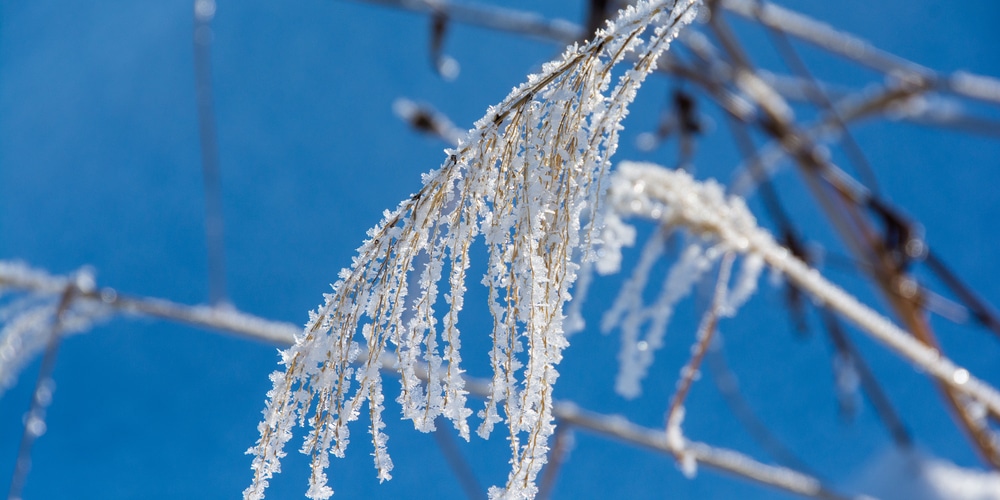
{"x":100,"y":166}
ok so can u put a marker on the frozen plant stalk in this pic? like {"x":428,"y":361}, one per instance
{"x":523,"y":178}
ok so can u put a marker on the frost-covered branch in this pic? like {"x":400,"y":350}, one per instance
{"x":524,"y":178}
{"x":675,"y":198}
{"x":910,"y":92}
{"x":846,"y":202}
{"x":529,"y":181}
{"x":718,"y":458}
{"x":34,"y":420}
{"x":19,"y":278}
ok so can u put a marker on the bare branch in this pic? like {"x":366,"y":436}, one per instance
{"x":675,"y":198}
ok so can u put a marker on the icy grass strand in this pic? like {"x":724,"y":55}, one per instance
{"x":524,"y":178}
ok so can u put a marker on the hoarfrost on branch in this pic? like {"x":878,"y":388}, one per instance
{"x":524,"y":178}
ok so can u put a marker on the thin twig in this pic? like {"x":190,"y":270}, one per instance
{"x":214,"y":318}
{"x":703,"y":339}
{"x":34,"y":421}
{"x":822,"y":35}
{"x":982,"y":88}
{"x":980,"y":309}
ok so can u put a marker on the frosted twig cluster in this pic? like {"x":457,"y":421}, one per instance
{"x":524,"y":179}
{"x":674,"y":198}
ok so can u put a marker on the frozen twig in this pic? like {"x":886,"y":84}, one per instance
{"x":34,"y":420}
{"x":982,"y":88}
{"x":703,"y":339}
{"x":718,"y":458}
{"x":673,"y":197}
{"x":16,"y":277}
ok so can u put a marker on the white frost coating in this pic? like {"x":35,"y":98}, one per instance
{"x":629,"y":300}
{"x":637,"y":352}
{"x":818,"y":32}
{"x":18,"y":274}
{"x":764,"y":95}
{"x":574,"y":322}
{"x":627,"y":313}
{"x":615,"y":235}
{"x":702,"y":207}
{"x":424,"y":117}
{"x":976,"y":86}
{"x":913,"y":475}
{"x":724,"y":459}
{"x":745,"y":286}
{"x":523,"y":179}
{"x":27,"y":321}
{"x":686,"y":460}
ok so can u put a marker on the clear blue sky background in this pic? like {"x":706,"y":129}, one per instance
{"x":100,"y":166}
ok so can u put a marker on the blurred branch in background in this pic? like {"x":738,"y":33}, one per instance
{"x":215,"y":238}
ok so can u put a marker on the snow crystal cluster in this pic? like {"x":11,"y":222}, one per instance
{"x":527,"y":180}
